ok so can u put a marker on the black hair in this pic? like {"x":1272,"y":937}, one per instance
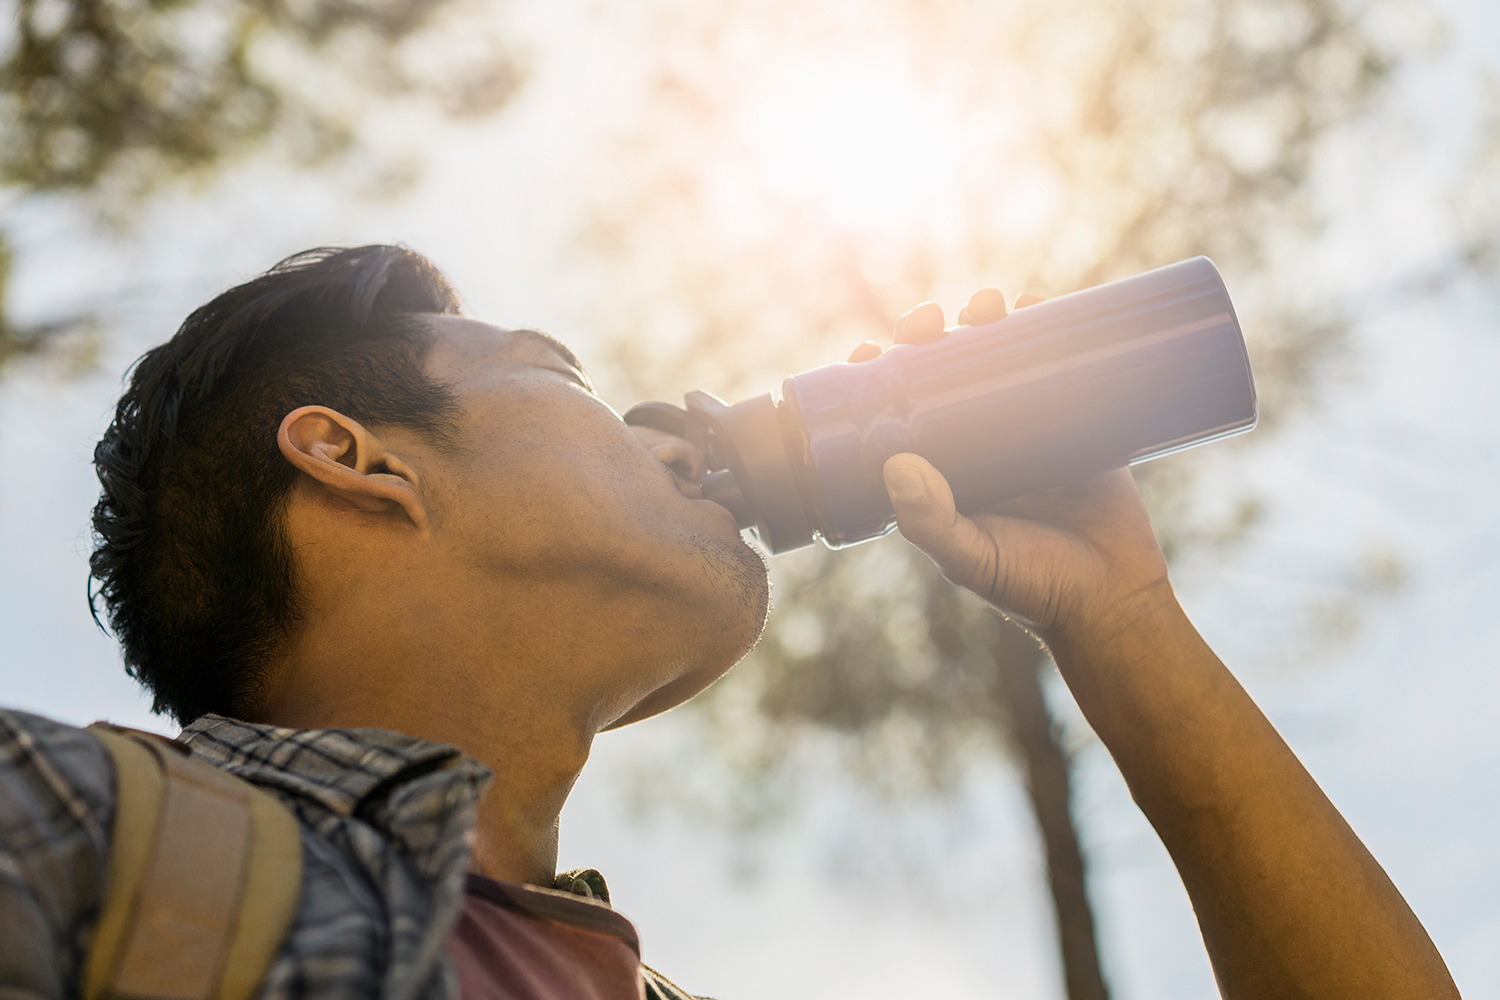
{"x":190,"y":554}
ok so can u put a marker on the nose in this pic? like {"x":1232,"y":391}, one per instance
{"x":677,"y":454}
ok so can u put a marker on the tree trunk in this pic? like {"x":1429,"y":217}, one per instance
{"x":1027,"y":725}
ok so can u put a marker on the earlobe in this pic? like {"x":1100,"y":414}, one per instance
{"x":341,"y":455}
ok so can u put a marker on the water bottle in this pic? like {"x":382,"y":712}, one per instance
{"x":1094,"y":380}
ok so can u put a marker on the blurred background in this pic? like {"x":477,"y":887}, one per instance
{"x":894,"y":795}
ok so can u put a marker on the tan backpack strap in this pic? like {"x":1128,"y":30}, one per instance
{"x":139,"y":790}
{"x":273,"y":885}
{"x":204,"y":876}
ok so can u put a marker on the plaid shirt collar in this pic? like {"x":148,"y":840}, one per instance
{"x":338,"y":768}
{"x":422,"y":795}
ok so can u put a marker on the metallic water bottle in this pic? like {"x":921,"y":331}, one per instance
{"x":1063,"y":389}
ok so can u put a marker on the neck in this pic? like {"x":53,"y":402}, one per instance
{"x":516,"y":841}
{"x":520,"y":680}
{"x":535,"y":749}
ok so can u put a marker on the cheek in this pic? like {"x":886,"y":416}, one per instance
{"x":554,"y":493}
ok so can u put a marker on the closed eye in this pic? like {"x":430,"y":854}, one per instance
{"x":577,"y":378}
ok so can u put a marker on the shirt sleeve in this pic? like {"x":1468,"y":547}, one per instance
{"x":56,"y":807}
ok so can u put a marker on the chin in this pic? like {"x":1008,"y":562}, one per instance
{"x":671,"y":695}
{"x":741,"y":596}
{"x":748,"y":580}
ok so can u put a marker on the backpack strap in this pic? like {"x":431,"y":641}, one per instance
{"x":204,"y":874}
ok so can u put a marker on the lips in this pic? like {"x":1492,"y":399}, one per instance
{"x":693,"y":490}
{"x":687,"y":487}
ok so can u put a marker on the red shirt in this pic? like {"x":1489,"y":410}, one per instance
{"x":519,"y":942}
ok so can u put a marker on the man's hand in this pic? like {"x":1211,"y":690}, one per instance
{"x":1061,"y":560}
{"x":1290,"y":902}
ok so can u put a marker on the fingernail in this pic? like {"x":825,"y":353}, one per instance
{"x":905,"y":482}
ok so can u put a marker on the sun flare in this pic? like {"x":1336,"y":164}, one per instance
{"x":859,"y":142}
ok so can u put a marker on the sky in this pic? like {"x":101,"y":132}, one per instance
{"x":1389,"y":694}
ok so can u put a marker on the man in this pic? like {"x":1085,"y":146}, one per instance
{"x":399,"y":567}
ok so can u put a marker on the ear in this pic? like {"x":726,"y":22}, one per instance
{"x":352,"y":464}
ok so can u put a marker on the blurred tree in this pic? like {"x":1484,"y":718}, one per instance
{"x":796,"y":174}
{"x":103,"y":100}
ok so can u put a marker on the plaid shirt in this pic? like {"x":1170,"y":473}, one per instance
{"x":386,"y":826}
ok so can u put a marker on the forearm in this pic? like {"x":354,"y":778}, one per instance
{"x":1291,"y":904}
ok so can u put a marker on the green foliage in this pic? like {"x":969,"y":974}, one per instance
{"x":105,"y":100}
{"x":151,"y":88}
{"x":90,"y":84}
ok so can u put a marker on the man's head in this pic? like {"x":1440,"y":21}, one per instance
{"x":328,"y":484}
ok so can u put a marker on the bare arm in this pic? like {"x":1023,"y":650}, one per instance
{"x":1290,"y":902}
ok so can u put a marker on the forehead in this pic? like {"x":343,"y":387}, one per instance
{"x":459,"y":344}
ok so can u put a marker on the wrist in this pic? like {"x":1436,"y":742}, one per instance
{"x":1141,"y":617}
{"x":1150,"y":686}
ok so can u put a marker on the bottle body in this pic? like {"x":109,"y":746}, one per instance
{"x":1066,"y":388}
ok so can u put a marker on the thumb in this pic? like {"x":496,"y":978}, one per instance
{"x":928,"y":518}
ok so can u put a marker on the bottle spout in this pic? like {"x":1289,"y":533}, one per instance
{"x":699,"y":426}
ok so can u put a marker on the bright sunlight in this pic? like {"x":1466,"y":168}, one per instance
{"x":857,"y":140}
